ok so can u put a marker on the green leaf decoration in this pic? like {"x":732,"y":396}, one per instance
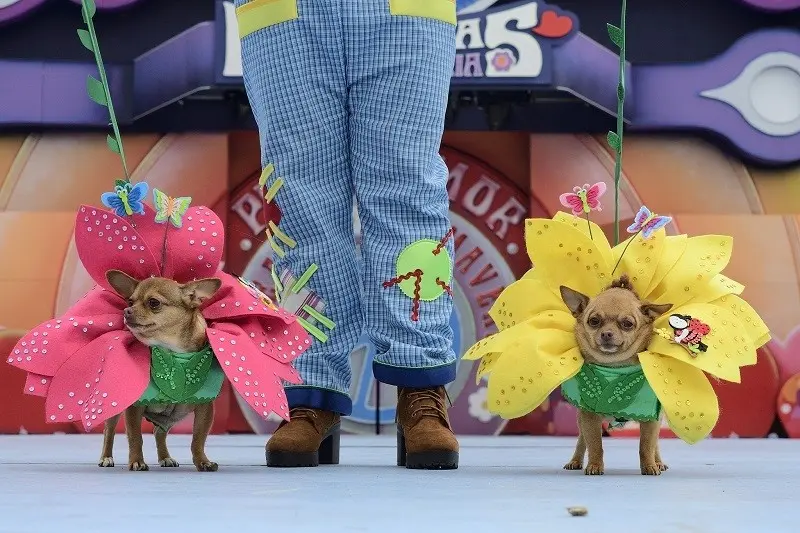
{"x":591,"y":386}
{"x":98,"y":89}
{"x":86,"y":39}
{"x":89,"y":9}
{"x":620,"y":393}
{"x":613,"y":141}
{"x":616,"y":35}
{"x":112,"y":143}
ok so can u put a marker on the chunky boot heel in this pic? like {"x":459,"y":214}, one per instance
{"x":329,"y":449}
{"x":401,"y":448}
{"x":309,"y":439}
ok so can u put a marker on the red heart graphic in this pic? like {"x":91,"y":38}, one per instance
{"x":553,"y":25}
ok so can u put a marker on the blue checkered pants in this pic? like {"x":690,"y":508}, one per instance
{"x":350,"y":102}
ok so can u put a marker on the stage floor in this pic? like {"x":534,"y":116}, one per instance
{"x":505,"y":484}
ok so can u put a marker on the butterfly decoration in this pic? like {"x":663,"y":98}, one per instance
{"x":647,"y":222}
{"x":257,"y":293}
{"x":126,"y":199}
{"x":689,"y":333}
{"x":168,"y":208}
{"x":583,"y":200}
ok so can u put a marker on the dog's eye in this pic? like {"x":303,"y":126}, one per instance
{"x":594,"y":322}
{"x":130,"y":302}
{"x":153,"y":304}
{"x":627,"y":324}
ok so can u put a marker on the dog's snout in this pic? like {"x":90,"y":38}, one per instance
{"x":128,"y":313}
{"x":606,"y":336}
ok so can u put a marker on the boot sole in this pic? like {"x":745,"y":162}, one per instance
{"x":430,"y":460}
{"x":326,"y":454}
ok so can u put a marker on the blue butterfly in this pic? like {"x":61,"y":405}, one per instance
{"x":126,"y":199}
{"x":648,"y":222}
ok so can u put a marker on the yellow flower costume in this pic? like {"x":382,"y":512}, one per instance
{"x":535,"y":350}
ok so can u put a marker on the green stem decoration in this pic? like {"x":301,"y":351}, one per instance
{"x":617,"y":36}
{"x":589,"y":223}
{"x":630,"y":241}
{"x":98,"y":89}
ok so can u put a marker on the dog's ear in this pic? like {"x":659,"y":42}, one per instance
{"x":123,"y":284}
{"x":653,"y":311}
{"x":197,"y":292}
{"x":576,"y":302}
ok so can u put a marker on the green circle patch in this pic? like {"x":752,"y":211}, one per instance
{"x":419,"y":256}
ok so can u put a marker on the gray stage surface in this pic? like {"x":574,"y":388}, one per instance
{"x":51,"y":484}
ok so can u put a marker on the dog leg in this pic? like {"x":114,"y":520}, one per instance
{"x":109,"y":430}
{"x":659,"y":462}
{"x":203,"y":418}
{"x":133,"y":428}
{"x":576,"y":463}
{"x":164,"y":458}
{"x":591,"y":427}
{"x":648,"y":448}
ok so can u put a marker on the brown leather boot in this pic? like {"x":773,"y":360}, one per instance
{"x":425,"y":439}
{"x":310,"y":438}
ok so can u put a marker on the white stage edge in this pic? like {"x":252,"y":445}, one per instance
{"x":52,"y":484}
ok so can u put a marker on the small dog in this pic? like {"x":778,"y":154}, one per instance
{"x":611,"y":329}
{"x":161,"y":312}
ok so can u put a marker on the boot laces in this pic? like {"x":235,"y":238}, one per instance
{"x":426,"y":402}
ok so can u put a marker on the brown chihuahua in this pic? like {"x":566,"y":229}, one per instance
{"x":611,"y":329}
{"x":164,"y":313}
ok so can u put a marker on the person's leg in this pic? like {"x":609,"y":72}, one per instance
{"x":294,"y":76}
{"x":399,"y":68}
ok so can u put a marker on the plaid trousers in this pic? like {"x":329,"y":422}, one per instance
{"x":350,"y":98}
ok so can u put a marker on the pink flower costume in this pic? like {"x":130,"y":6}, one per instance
{"x":90,"y":367}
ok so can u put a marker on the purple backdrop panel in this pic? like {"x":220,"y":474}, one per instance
{"x":750,"y":95}
{"x":43,"y":94}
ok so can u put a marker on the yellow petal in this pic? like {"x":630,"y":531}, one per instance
{"x":524,"y":377}
{"x":673,"y":249}
{"x":485,"y":366}
{"x":566,"y":256}
{"x":523,"y":299}
{"x":754,"y":326}
{"x":560,"y":320}
{"x":640,"y":259}
{"x":727,"y":342}
{"x":491,"y":344}
{"x":688,"y":399}
{"x":719,"y":286}
{"x":705,"y":257}
{"x":597,"y":234}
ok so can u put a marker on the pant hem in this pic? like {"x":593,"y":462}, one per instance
{"x":420,"y":377}
{"x":324,"y":399}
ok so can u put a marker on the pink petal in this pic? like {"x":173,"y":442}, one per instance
{"x":194,"y":250}
{"x":251,"y":374}
{"x":282,"y":342}
{"x":108,"y":242}
{"x":101,"y":380}
{"x":37,"y":384}
{"x":97,"y":301}
{"x":48,"y":346}
{"x":234,"y":300}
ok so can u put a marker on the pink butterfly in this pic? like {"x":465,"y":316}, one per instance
{"x":584,"y":199}
{"x":647,"y":222}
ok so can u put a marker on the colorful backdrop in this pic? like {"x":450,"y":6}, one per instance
{"x":496,"y":180}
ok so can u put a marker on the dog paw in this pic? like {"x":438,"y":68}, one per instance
{"x":138,"y":466}
{"x":207,"y":466}
{"x":106,"y":462}
{"x":573,"y":465}
{"x":169,"y":462}
{"x":653,"y":469}
{"x":593,"y":469}
{"x":662,"y":466}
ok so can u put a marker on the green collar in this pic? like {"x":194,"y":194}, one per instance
{"x":179,"y":376}
{"x":616,"y":392}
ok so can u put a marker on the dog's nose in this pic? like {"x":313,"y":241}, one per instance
{"x":128,"y":313}
{"x":606,"y":336}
